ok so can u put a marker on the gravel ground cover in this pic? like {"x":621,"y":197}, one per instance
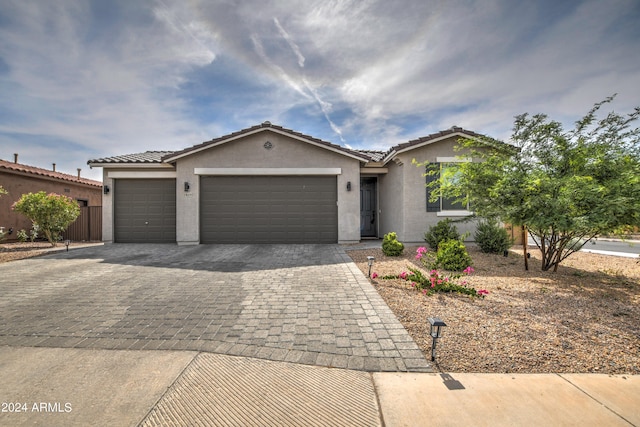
{"x":584,"y":318}
{"x":21,"y":250}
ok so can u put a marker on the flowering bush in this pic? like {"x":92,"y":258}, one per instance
{"x":437,"y":281}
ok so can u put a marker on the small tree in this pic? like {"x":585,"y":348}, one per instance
{"x":565,"y":187}
{"x":52,"y":213}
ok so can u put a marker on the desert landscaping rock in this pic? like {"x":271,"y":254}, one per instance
{"x":583,"y":319}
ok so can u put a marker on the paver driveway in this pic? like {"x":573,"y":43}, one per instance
{"x":298,"y":303}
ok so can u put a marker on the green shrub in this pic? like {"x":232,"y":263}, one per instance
{"x":442,"y":231}
{"x":491,"y":237}
{"x":452,"y":255}
{"x":22,"y":235}
{"x":391,"y":246}
{"x":53,"y":213}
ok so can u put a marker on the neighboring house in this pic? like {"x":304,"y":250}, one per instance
{"x":268,"y":184}
{"x":20,"y":179}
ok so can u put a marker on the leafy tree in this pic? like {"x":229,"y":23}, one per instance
{"x":52,"y":213}
{"x":565,"y":187}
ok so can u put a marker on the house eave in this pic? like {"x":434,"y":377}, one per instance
{"x":173,"y":159}
{"x":394,"y":152}
{"x":110,"y":165}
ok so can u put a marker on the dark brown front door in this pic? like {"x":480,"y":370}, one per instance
{"x":368,"y":203}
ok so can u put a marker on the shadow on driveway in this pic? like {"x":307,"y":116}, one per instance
{"x":223,"y":258}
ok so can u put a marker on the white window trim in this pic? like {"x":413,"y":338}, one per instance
{"x":454,"y":213}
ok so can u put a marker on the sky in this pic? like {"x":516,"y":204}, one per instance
{"x":81,"y":80}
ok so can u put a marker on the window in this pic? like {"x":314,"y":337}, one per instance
{"x":445,"y":206}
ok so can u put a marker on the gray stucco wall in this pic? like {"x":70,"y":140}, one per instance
{"x":249,"y":152}
{"x":415,"y":218}
{"x":162,"y":171}
{"x":391,"y":203}
{"x":107,"y":209}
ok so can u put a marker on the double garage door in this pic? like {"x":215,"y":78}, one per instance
{"x":233,"y":209}
{"x":268,"y":209}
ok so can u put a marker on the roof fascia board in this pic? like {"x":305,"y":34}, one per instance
{"x":132,"y":165}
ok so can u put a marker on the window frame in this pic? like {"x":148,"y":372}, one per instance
{"x":437,"y":207}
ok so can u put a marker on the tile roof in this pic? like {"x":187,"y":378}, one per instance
{"x":32,"y":170}
{"x":146,"y":157}
{"x":374,"y":155}
{"x":266,"y":125}
{"x":444,"y":133}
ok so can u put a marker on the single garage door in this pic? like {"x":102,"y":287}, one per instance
{"x":145,"y":210}
{"x":268,"y":209}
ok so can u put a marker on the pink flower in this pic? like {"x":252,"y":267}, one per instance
{"x":468,"y":270}
{"x":463,"y":283}
{"x":483,"y":292}
{"x":424,"y":292}
{"x":374,"y":275}
{"x":403,"y":275}
{"x":419,"y":256}
{"x":413,"y":284}
{"x":434,"y":272}
{"x":421,"y":250}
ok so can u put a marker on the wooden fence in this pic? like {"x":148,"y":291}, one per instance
{"x":88,"y":226}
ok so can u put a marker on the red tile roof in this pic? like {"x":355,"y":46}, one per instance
{"x":6,"y":166}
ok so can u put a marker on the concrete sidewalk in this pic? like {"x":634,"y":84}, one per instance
{"x":78,"y":387}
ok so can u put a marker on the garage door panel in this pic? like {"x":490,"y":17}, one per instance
{"x":145,"y":211}
{"x":272,"y":209}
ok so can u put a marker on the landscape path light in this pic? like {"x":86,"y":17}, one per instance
{"x":370,"y":261}
{"x":436,"y":333}
{"x":67,"y":243}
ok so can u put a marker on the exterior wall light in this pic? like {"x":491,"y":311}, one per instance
{"x":436,"y":333}
{"x":187,"y":187}
{"x":106,"y":189}
{"x":349,"y":186}
{"x":370,"y":261}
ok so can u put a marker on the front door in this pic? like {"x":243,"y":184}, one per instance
{"x":368,"y":203}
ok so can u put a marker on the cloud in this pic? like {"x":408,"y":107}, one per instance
{"x":291,"y":43}
{"x":74,"y":79}
{"x":104,"y":78}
